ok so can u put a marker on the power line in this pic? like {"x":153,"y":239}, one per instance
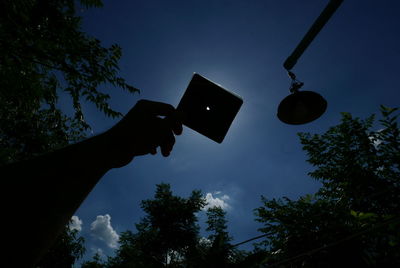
{"x":264,"y":235}
{"x":251,"y":239}
{"x":313,"y":251}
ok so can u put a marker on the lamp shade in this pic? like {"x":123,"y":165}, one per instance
{"x":301,"y":107}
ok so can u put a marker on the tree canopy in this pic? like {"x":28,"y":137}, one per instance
{"x":168,"y":236}
{"x":45,"y":53}
{"x":353,"y":219}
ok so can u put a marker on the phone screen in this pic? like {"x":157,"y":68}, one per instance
{"x":208,"y":108}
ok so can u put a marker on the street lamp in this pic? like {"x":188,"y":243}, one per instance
{"x":302,"y":107}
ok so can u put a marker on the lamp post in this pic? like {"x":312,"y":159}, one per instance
{"x":302,"y":107}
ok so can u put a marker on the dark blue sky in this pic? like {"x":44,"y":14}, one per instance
{"x":241,"y":45}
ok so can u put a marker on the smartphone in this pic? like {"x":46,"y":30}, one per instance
{"x":208,"y":108}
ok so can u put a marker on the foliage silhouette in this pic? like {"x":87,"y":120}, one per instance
{"x":68,"y":248}
{"x":165,"y":236}
{"x":353,"y":219}
{"x":168,"y":236}
{"x":44,"y":53}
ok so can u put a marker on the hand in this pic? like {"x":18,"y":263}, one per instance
{"x":141,"y":131}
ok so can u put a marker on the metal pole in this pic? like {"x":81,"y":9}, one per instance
{"x":319,"y":23}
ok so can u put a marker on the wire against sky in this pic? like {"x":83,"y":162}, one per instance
{"x":264,"y":235}
{"x":313,"y":251}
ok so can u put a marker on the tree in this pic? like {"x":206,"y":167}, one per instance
{"x":45,"y":54}
{"x":67,"y":249}
{"x":353,"y":219}
{"x":219,"y":252}
{"x":216,"y":250}
{"x":216,"y":224}
{"x":166,"y":235}
{"x":94,"y":263}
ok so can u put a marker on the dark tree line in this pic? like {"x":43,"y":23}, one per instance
{"x":44,"y":53}
{"x":168,"y":236}
{"x":353,"y":220}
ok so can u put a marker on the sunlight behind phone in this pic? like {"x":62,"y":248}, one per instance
{"x":208,"y":108}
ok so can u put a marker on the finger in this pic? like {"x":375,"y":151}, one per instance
{"x":153,"y":150}
{"x":175,"y":124}
{"x":167,"y":144}
{"x":167,"y":140}
{"x":155,"y":108}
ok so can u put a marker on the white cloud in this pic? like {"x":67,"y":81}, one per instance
{"x":214,"y":201}
{"x":101,"y":229}
{"x":225,"y":197}
{"x":98,"y":251}
{"x":75,"y":224}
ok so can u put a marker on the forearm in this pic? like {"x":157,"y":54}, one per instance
{"x":46,"y":191}
{"x":41,"y":195}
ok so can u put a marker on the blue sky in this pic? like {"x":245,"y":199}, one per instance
{"x":241,"y":45}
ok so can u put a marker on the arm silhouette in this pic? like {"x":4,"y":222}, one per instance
{"x":41,"y":195}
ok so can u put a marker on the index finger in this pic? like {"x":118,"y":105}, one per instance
{"x":155,"y":108}
{"x":175,"y":123}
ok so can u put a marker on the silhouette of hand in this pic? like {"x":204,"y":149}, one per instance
{"x":141,"y":131}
